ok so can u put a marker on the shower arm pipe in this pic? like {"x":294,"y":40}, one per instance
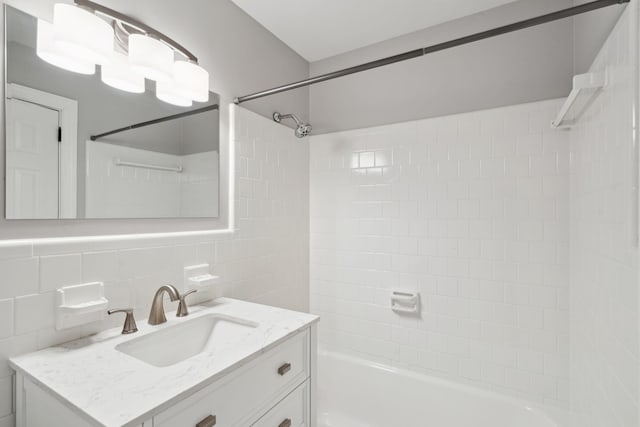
{"x":287,"y":116}
{"x":517,"y":26}
{"x":137,"y":26}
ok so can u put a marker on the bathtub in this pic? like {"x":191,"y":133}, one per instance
{"x":356,"y":393}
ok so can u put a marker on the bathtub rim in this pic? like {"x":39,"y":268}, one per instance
{"x":558,"y":416}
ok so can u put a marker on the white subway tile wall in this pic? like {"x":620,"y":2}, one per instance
{"x":265,"y":261}
{"x":472,"y":212}
{"x":605,"y":319}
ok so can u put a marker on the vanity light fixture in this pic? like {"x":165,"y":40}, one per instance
{"x":48,"y":51}
{"x":192,"y":81}
{"x":168,"y":91}
{"x":81,"y":34}
{"x":150,"y":58}
{"x":119,"y":75}
{"x":88,"y":34}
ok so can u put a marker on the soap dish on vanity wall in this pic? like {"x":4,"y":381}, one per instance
{"x":80,"y":304}
{"x":198,"y":277}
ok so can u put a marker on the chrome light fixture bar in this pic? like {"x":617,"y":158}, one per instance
{"x":86,"y":34}
{"x":134,"y":26}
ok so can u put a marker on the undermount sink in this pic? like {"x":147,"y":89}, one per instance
{"x":179,"y":342}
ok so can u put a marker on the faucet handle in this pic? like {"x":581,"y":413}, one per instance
{"x":129,"y":321}
{"x":183,"y":309}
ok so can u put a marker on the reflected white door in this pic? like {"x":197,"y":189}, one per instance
{"x":32,"y":161}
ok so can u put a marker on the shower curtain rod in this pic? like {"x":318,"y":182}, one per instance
{"x":517,"y":26}
{"x":156,"y":121}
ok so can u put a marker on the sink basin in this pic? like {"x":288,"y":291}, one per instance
{"x":186,"y":339}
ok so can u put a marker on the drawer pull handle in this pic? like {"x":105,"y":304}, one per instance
{"x":285,"y":423}
{"x":210,"y":421}
{"x":284,"y":369}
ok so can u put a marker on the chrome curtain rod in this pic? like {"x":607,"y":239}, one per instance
{"x":517,"y":26}
{"x":156,"y":121}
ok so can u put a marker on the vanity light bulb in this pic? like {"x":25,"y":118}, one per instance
{"x":82,"y":35}
{"x":120,"y":76}
{"x":150,"y":58}
{"x":167,"y":92}
{"x":48,"y":51}
{"x":191,"y":81}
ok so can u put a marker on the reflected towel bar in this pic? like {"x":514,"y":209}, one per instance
{"x":177,"y":169}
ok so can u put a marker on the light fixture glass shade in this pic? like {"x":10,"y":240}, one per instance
{"x":82,"y":35}
{"x":167,"y":92}
{"x":191,"y":81}
{"x":120,"y":75}
{"x":150,"y":58}
{"x":48,"y":51}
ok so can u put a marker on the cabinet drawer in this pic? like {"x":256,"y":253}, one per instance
{"x":278,"y":372}
{"x":292,"y":411}
{"x":234,"y":399}
{"x":216,"y":404}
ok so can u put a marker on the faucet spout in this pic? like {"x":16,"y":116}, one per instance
{"x":157,"y":315}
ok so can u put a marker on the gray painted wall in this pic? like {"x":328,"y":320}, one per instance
{"x":529,"y":65}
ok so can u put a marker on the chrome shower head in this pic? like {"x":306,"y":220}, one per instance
{"x":302,"y":129}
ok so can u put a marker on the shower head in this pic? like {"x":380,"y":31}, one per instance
{"x":302,"y":129}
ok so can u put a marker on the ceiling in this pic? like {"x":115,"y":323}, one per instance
{"x":318,"y":29}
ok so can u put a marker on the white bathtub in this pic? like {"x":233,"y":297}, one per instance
{"x":356,"y":393}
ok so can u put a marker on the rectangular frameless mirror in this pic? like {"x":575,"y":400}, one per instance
{"x":77,"y":148}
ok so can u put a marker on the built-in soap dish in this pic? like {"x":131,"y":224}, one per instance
{"x":80,"y":304}
{"x":405,"y":302}
{"x":199,"y":278}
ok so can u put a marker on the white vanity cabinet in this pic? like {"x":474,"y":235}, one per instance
{"x":244,"y":397}
{"x":270,"y":384}
{"x":273,"y":390}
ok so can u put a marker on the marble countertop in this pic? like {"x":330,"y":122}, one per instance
{"x":110,"y":388}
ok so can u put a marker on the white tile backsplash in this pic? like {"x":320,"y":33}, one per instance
{"x":265,"y":260}
{"x":605,"y":314}
{"x":34,"y":312}
{"x":60,"y":270}
{"x":6,"y":318}
{"x":468,"y":210}
{"x":19,"y":277}
{"x":100,"y":266}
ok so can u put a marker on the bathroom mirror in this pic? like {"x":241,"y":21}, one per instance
{"x":78,"y":148}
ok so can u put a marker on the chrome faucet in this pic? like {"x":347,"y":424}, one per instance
{"x":157,"y":315}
